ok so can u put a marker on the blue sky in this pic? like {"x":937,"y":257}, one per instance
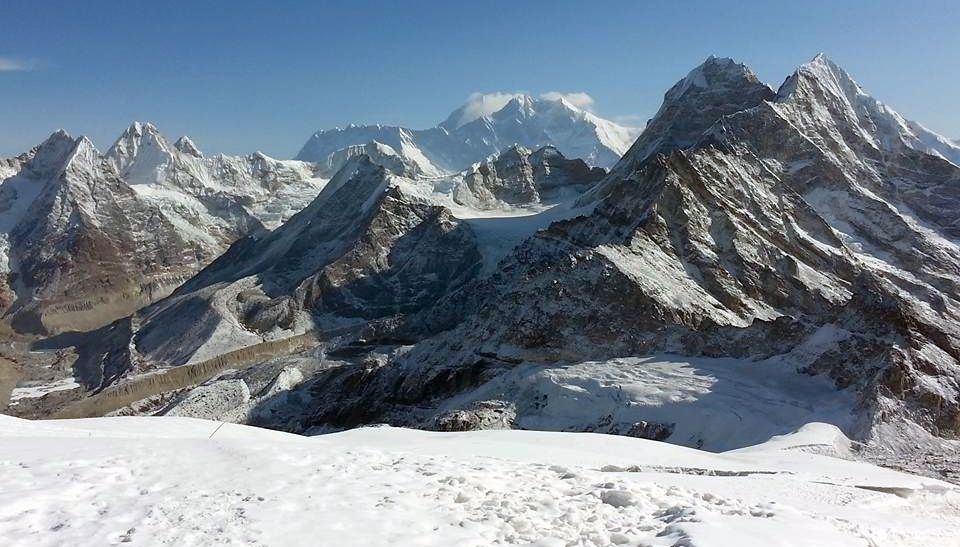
{"x":241,"y":76}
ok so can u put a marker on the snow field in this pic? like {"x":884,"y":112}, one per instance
{"x":165,"y":481}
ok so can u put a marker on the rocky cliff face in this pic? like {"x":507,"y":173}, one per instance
{"x":85,"y":238}
{"x":519,"y":177}
{"x":366,"y":251}
{"x":82,"y":248}
{"x":805,"y":229}
{"x":758,"y":260}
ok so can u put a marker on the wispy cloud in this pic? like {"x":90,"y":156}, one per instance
{"x":578,"y":99}
{"x":484,"y":104}
{"x":10,"y":64}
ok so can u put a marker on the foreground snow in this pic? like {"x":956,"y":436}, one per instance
{"x":150,"y":481}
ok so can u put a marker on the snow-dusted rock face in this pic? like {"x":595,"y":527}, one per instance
{"x":79,"y":247}
{"x":85,"y":238}
{"x":372,"y":250}
{"x":212,"y":194}
{"x":716,"y":88}
{"x":462,"y":140}
{"x":367,"y":250}
{"x":758,"y":259}
{"x":519,"y":177}
{"x":379,"y":153}
{"x":802,"y":229}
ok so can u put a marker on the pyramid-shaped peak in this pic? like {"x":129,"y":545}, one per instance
{"x":715,"y":73}
{"x":821,"y":64}
{"x":53,"y":153}
{"x":134,"y":137}
{"x":523,"y":105}
{"x":138,"y":129}
{"x":60,"y":134}
{"x":820,"y":76}
{"x":187,"y":146}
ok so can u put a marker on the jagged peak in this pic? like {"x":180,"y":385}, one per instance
{"x":84,"y":154}
{"x":138,"y":129}
{"x":522,"y":105}
{"x":714,"y":74}
{"x":515,"y":149}
{"x":186,"y":145}
{"x":60,"y":134}
{"x":820,"y":72}
{"x":717,"y":87}
{"x":60,"y":152}
{"x":821,"y":85}
{"x":134,"y":136}
{"x":52,"y":153}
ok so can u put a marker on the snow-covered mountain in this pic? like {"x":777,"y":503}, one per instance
{"x":268,"y":190}
{"x":788,"y":234}
{"x":467,"y":137}
{"x":85,"y":238}
{"x":373,"y":247}
{"x":78,"y":246}
{"x":757,"y":260}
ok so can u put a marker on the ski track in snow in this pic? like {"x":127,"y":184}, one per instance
{"x":163,"y":481}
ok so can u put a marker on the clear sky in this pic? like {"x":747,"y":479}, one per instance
{"x":240,"y":76}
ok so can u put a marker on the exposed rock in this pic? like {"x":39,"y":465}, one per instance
{"x":216,"y":400}
{"x":744,"y":223}
{"x":650,"y":430}
{"x":86,"y":239}
{"x":517,"y":177}
{"x":481,"y":415}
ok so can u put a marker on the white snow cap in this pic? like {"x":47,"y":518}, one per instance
{"x":185,"y":145}
{"x":479,"y":105}
{"x":577,"y":99}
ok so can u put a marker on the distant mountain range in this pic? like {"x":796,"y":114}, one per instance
{"x":467,"y":137}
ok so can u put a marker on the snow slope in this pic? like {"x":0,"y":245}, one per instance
{"x":162,"y":481}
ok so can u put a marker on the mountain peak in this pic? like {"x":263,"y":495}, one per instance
{"x":138,"y":129}
{"x":823,"y":74}
{"x":718,"y":87}
{"x":52,"y":154}
{"x":185,"y":145}
{"x":717,"y":73}
{"x":60,"y":134}
{"x":139,"y":151}
{"x":824,"y":95}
